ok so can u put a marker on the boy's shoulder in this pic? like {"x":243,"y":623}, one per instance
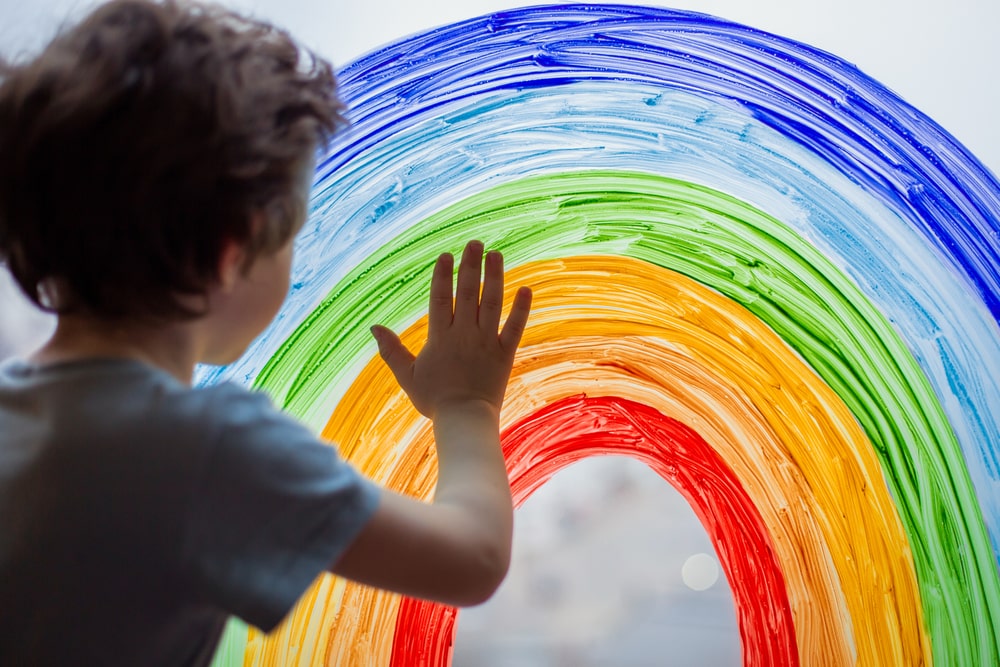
{"x":119,"y":433}
{"x":206,"y":494}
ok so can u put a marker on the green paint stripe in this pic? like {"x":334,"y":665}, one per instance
{"x":748,"y":256}
{"x":232,"y":648}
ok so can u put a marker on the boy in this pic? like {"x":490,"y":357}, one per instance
{"x":155,"y":162}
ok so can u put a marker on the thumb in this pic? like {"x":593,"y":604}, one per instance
{"x":393,"y":353}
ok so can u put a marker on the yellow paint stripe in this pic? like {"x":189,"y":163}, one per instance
{"x":617,"y":326}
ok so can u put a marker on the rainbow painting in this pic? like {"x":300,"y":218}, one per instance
{"x":756,"y":270}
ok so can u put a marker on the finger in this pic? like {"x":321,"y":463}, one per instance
{"x":394,"y":354}
{"x":441,"y":306}
{"x":467,"y":289}
{"x":517,"y":319}
{"x":491,"y":304}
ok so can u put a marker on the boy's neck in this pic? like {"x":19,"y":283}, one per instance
{"x":169,"y":347}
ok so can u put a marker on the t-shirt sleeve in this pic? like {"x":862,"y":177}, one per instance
{"x":274,"y":508}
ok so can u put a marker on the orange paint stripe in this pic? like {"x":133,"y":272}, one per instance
{"x":616,"y":326}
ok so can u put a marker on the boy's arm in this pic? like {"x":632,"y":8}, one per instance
{"x":455,"y":550}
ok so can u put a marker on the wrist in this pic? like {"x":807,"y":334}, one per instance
{"x":472,"y":407}
{"x":467,"y":433}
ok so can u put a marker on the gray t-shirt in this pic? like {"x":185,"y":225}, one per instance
{"x":137,"y":513}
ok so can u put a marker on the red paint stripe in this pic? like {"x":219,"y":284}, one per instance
{"x":578,"y":427}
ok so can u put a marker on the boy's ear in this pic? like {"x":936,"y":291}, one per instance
{"x":233,"y":258}
{"x":231,"y":264}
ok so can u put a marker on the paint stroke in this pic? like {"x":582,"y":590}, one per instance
{"x":902,"y":242}
{"x":663,"y":353}
{"x":621,"y":127}
{"x":406,"y":158}
{"x":757,"y":262}
{"x":576,"y":427}
{"x":815,"y":99}
{"x":626,"y":328}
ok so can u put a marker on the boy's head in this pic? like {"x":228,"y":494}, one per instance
{"x":145,"y":139}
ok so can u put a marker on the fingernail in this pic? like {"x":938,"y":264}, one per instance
{"x":377,"y":333}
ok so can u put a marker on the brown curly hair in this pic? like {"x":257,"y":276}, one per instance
{"x":140,"y":141}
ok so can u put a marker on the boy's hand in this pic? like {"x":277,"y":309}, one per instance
{"x":464,"y":359}
{"x":458,"y":547}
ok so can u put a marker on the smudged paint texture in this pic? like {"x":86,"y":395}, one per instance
{"x":756,"y":269}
